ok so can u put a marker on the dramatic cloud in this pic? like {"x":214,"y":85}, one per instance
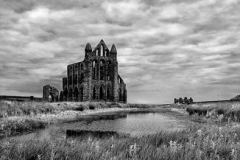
{"x":166,"y":49}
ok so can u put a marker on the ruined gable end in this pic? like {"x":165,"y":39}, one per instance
{"x":95,"y":78}
{"x":50,"y":94}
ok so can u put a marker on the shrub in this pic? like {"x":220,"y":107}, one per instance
{"x":91,"y":107}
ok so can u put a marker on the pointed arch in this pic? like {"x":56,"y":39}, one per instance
{"x":82,"y":77}
{"x":65,"y":94}
{"x":101,"y":93}
{"x":108,"y":70}
{"x":75,"y":79}
{"x":108,"y":93}
{"x":102,"y":69}
{"x":94,"y":69}
{"x":75,"y":97}
{"x":101,"y":50}
{"x":97,"y":52}
{"x":70,"y":92}
{"x":61,"y":96}
{"x":81,"y":94}
{"x":109,"y":64}
{"x":120,"y":94}
{"x":50,"y":97}
{"x":70,"y":80}
{"x":82,"y":66}
{"x":94,"y":93}
{"x":106,"y":53}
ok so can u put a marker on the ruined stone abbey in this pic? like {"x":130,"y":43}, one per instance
{"x":95,"y":78}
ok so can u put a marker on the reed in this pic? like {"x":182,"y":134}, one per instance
{"x":19,"y":117}
{"x":228,"y":110}
{"x":207,"y":141}
{"x":14,"y":108}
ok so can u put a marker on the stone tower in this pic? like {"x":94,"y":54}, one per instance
{"x":95,"y":78}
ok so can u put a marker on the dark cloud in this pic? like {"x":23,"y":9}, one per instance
{"x":165,"y":48}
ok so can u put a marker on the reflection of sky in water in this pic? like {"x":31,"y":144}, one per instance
{"x":136,"y":124}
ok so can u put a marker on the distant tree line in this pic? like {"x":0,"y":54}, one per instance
{"x":183,"y":101}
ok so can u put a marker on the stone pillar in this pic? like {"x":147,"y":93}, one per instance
{"x":46,"y":92}
{"x":89,"y":80}
{"x":115,"y":81}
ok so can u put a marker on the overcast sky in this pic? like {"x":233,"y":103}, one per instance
{"x":166,"y":48}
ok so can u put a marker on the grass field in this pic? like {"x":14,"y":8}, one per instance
{"x":19,"y":117}
{"x":13,"y":108}
{"x":198,"y":142}
{"x":224,"y":110}
{"x":214,"y":139}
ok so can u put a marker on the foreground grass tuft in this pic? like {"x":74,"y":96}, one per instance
{"x":227,"y":110}
{"x":198,"y":142}
{"x":208,"y":140}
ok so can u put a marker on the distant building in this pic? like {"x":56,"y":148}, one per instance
{"x":95,"y":78}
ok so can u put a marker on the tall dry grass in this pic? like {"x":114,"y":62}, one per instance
{"x":198,"y":142}
{"x":14,"y":108}
{"x":228,"y":110}
{"x":18,"y":117}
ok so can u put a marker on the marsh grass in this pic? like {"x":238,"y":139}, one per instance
{"x":14,"y":108}
{"x":17,"y":117}
{"x":198,"y":142}
{"x":228,"y":110}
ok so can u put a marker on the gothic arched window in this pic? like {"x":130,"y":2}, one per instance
{"x":101,"y":70}
{"x":101,"y":93}
{"x":108,"y":93}
{"x":94,"y":69}
{"x":81,"y":94}
{"x":70,"y":80}
{"x":102,"y":50}
{"x":76,"y":93}
{"x":82,"y":77}
{"x":82,"y":67}
{"x":70,"y":94}
{"x":97,"y":52}
{"x":120,"y":94}
{"x":75,"y":79}
{"x":94,"y":93}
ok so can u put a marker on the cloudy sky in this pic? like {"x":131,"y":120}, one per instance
{"x":166,"y":48}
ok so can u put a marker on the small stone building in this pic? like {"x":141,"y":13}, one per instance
{"x":95,"y":78}
{"x":50,"y":94}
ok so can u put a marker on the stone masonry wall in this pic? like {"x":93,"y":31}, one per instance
{"x":95,"y":78}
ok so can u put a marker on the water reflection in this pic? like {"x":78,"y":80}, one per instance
{"x":133,"y":124}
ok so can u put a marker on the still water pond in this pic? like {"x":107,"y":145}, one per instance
{"x":133,"y":124}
